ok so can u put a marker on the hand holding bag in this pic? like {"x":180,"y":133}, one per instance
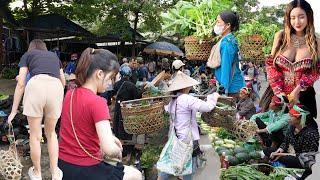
{"x":176,"y":156}
{"x":10,"y":165}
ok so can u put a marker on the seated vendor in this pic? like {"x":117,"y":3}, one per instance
{"x":273,"y":124}
{"x":302,"y":137}
{"x":245,"y":106}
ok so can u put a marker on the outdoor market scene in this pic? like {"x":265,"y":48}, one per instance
{"x":159,"y":89}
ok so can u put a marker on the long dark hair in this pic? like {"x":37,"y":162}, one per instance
{"x":93,"y":59}
{"x":310,"y":35}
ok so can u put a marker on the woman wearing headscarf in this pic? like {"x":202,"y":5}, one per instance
{"x":302,"y":137}
{"x":273,"y":124}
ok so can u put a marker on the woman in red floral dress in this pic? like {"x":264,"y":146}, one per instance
{"x":293,"y":66}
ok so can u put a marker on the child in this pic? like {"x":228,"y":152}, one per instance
{"x":245,"y":105}
{"x":273,"y":123}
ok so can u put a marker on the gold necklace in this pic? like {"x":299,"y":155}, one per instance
{"x":297,"y":41}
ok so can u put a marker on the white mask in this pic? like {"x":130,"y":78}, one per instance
{"x":218,"y":29}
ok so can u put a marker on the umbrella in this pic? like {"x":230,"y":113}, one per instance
{"x":163,"y":48}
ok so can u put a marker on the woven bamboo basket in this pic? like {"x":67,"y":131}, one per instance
{"x":252,"y":48}
{"x":143,"y":116}
{"x":244,"y":130}
{"x":220,"y":117}
{"x":148,"y":94}
{"x":195,"y":50}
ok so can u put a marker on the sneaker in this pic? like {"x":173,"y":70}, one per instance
{"x":32,"y":175}
{"x":59,"y":176}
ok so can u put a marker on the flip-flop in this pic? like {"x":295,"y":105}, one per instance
{"x":32,"y":175}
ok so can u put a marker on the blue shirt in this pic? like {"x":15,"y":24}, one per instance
{"x":229,"y":50}
{"x":71,"y":67}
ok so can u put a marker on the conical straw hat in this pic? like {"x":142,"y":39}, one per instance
{"x":181,"y":81}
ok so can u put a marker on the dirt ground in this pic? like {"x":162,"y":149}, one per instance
{"x":26,"y":162}
{"x":7,"y":86}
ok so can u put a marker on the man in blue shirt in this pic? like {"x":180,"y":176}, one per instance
{"x":142,"y":71}
{"x":72,"y":65}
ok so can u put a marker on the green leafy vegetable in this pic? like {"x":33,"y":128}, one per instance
{"x":195,"y":18}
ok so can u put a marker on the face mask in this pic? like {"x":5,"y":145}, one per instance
{"x":218,"y":29}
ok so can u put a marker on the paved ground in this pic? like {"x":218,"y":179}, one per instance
{"x":212,"y":169}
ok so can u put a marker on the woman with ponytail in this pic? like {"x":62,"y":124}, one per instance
{"x":293,"y":66}
{"x":85,"y":132}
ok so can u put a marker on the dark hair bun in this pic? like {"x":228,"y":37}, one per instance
{"x":232,"y":18}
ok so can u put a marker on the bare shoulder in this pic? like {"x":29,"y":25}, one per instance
{"x":318,"y":43}
{"x":278,"y":35}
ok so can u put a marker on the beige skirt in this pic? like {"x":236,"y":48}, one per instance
{"x":43,"y":97}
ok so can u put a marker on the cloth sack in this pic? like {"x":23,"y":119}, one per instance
{"x":214,"y":60}
{"x":307,"y":159}
{"x":176,"y":156}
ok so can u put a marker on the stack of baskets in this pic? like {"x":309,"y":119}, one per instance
{"x":222,"y":117}
{"x":252,"y":48}
{"x":196,"y":50}
{"x":143,"y":116}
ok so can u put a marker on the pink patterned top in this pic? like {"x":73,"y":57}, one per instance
{"x":284,"y":75}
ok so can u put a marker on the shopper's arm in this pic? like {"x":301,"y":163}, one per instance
{"x":18,"y":92}
{"x":110,"y":145}
{"x":62,"y":78}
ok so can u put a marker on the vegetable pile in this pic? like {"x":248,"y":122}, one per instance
{"x":150,"y":156}
{"x":223,"y":141}
{"x":249,"y":172}
{"x":240,"y":155}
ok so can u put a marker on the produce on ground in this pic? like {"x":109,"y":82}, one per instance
{"x":249,"y":172}
{"x":150,"y":156}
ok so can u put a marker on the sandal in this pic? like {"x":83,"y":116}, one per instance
{"x":32,"y":175}
{"x":59,"y":177}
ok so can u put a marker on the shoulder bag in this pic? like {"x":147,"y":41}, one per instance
{"x":176,"y":156}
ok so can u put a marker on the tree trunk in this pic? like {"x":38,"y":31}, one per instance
{"x":1,"y":45}
{"x":134,"y":34}
{"x":135,"y":27}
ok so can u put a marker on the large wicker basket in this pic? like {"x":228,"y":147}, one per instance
{"x":244,"y":130}
{"x":143,"y":116}
{"x":252,"y":48}
{"x":196,"y":50}
{"x":220,"y":117}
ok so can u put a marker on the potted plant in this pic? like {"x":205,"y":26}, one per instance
{"x":195,"y":21}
